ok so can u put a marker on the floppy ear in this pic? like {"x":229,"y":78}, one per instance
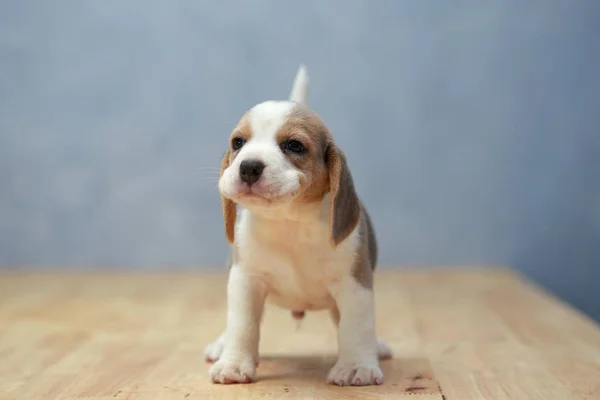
{"x":228,"y":206}
{"x":344,"y":205}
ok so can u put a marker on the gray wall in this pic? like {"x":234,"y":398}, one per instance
{"x":472,"y":128}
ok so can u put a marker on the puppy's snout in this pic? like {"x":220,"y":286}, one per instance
{"x":250,"y":170}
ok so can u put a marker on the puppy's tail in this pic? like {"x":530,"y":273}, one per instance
{"x":299,"y":92}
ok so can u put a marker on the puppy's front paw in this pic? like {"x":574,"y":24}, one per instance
{"x":239,"y":370}
{"x":355,"y":373}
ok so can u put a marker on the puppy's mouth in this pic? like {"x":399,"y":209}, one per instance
{"x":258,"y":193}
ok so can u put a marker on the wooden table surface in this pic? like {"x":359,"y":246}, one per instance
{"x":456,"y":335}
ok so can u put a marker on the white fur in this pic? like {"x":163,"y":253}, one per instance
{"x":285,"y":257}
{"x":294,"y":259}
{"x":245,"y":298}
{"x":300,"y":88}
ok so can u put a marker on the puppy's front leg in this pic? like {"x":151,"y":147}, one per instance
{"x":245,"y":303}
{"x":357,"y":362}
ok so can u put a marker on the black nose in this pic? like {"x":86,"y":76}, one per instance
{"x":250,"y":170}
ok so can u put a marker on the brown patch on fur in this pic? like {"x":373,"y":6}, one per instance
{"x":366,"y":257}
{"x":370,"y":238}
{"x":344,"y":205}
{"x":305,"y":126}
{"x":228,"y":206}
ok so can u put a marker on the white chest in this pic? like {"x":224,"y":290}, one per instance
{"x":294,"y":259}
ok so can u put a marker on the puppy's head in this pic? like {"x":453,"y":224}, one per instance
{"x":282,"y":154}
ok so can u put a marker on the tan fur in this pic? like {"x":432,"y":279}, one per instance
{"x":305,"y":126}
{"x":228,"y":206}
{"x":344,"y":205}
{"x":366,"y":257}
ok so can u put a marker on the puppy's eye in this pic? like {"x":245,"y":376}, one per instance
{"x":294,"y":146}
{"x":237,"y":143}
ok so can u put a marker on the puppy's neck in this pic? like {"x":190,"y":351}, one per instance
{"x":295,"y":212}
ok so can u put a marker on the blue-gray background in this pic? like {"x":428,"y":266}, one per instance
{"x":472,"y":128}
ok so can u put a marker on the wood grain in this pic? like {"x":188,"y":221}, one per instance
{"x":460,"y":334}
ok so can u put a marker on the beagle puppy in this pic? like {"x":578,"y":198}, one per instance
{"x":302,"y":240}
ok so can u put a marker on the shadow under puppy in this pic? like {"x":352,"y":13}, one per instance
{"x":303,"y":240}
